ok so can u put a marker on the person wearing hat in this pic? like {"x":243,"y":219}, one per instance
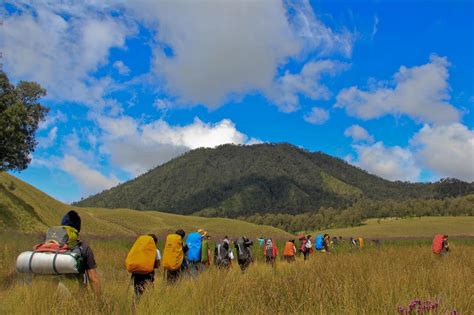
{"x":205,"y":249}
{"x":90,"y":275}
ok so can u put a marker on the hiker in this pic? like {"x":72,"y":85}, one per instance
{"x":205,"y":249}
{"x":440,"y":244}
{"x":319,"y":243}
{"x":361,"y":243}
{"x":244,"y":257}
{"x":261,"y":241}
{"x":142,"y":260}
{"x":223,"y":254}
{"x":353,"y":242}
{"x":173,"y":255}
{"x":194,"y":243}
{"x":270,"y":251}
{"x":302,"y":241}
{"x":289,"y":251}
{"x":73,"y":258}
{"x":307,"y":247}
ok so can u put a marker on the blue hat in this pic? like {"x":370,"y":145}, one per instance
{"x":72,"y":219}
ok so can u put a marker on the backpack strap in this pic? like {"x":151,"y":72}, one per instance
{"x":54,"y":262}
{"x":30,"y":261}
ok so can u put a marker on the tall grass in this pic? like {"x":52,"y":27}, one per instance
{"x":372,"y":281}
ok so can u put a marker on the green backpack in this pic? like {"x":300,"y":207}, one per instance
{"x":62,"y":235}
{"x":204,"y":251}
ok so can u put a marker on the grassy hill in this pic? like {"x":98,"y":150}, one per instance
{"x":411,"y":227}
{"x":233,"y":181}
{"x":27,"y":209}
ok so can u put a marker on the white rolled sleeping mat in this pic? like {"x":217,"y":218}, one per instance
{"x":45,"y":263}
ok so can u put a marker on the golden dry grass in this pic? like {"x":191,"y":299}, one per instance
{"x":372,"y":281}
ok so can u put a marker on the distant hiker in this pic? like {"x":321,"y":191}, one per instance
{"x":440,"y":244}
{"x":270,"y":251}
{"x":223,"y":254}
{"x":341,"y":240}
{"x":307,"y":247}
{"x":173,"y":255}
{"x":361,"y":243}
{"x":73,"y":258}
{"x":142,"y":260}
{"x":302,"y":241}
{"x":353,"y":241}
{"x":334,"y":241}
{"x":319,"y":243}
{"x":261,"y":241}
{"x":244,"y":257}
{"x":289,"y":251}
{"x":194,"y":244}
{"x":205,"y":249}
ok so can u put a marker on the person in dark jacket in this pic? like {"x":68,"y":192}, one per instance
{"x":244,"y":257}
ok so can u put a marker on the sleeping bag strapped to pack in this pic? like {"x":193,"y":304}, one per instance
{"x":289,"y":249}
{"x":361,"y":242}
{"x":60,"y":253}
{"x":194,"y":247}
{"x":319,"y":242}
{"x":141,"y":257}
{"x":438,"y":243}
{"x":173,"y":252}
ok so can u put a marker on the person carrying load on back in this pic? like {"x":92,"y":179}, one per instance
{"x":319,"y":243}
{"x":142,"y":260}
{"x":440,"y":244}
{"x":63,"y":255}
{"x":261,"y":241}
{"x":244,"y":257}
{"x":194,"y":244}
{"x":361,"y":243}
{"x":205,"y":249}
{"x":289,"y":251}
{"x":302,"y":240}
{"x":173,"y":255}
{"x":223,"y":254}
{"x":270,"y":251}
{"x":307,"y":247}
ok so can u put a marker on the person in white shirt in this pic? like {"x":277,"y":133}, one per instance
{"x":308,"y":247}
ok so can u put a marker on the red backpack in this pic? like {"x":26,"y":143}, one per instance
{"x":438,"y":243}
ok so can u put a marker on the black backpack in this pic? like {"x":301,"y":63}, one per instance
{"x":242,"y":250}
{"x":269,"y":248}
{"x":222,"y":254}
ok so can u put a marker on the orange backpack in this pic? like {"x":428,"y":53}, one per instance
{"x":289,"y":249}
{"x":438,"y":243}
{"x":141,"y":257}
{"x":173,"y":253}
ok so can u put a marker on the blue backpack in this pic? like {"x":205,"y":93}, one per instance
{"x":319,"y":243}
{"x":194,"y":247}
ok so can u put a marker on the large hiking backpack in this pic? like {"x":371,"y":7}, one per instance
{"x":60,"y":253}
{"x":242,"y":250}
{"x":319,"y":242}
{"x":269,"y":248}
{"x":205,"y":251}
{"x":222,"y":254}
{"x":361,"y":242}
{"x":173,"y":252}
{"x":438,"y":243}
{"x":194,"y":247}
{"x":289,"y":249}
{"x":141,"y":257}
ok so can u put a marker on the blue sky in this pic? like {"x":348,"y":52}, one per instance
{"x":385,"y":85}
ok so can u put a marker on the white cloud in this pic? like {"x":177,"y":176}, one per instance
{"x":223,"y":49}
{"x":146,"y":145}
{"x":358,"y":133}
{"x":92,"y":181}
{"x":317,"y":116}
{"x":121,"y":67}
{"x":286,"y":90}
{"x":392,"y":163}
{"x":52,"y":119}
{"x":61,"y":46}
{"x":375,"y":27}
{"x":447,"y":150}
{"x":421,"y":92}
{"x":48,"y":141}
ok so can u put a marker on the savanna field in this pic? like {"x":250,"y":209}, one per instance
{"x":375,"y":280}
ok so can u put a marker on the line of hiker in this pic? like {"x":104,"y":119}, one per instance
{"x":65,"y":255}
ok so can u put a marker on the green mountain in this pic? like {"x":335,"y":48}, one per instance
{"x":233,"y":181}
{"x":27,"y":209}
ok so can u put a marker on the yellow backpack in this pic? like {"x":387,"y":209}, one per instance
{"x":173,"y":253}
{"x":141,"y":257}
{"x":361,"y":242}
